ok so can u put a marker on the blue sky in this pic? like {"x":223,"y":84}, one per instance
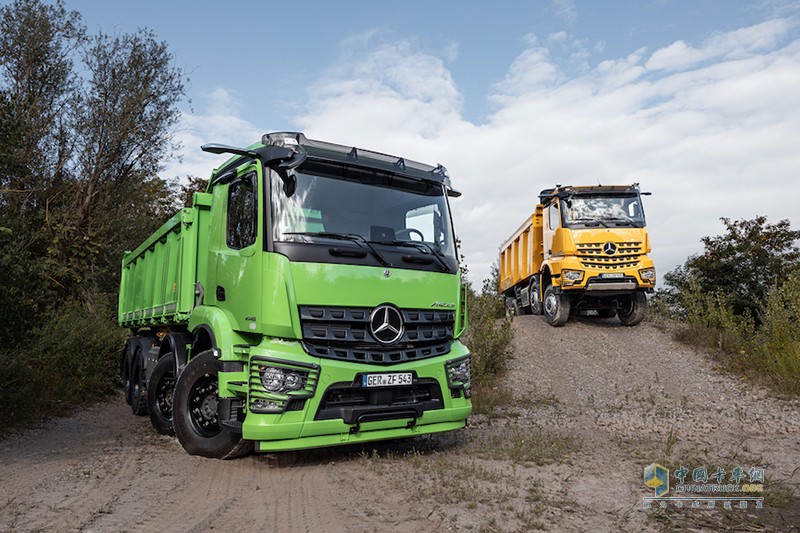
{"x":697,"y":100}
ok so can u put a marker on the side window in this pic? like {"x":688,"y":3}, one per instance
{"x":553,"y":214}
{"x":242,"y":214}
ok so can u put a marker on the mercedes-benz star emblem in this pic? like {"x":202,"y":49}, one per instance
{"x":609,"y":248}
{"x":386,"y":324}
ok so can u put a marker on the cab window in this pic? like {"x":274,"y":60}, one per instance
{"x":242,"y":214}
{"x":553,"y":216}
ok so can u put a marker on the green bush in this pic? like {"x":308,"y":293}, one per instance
{"x":71,"y":359}
{"x":768,"y":350}
{"x":490,"y":334}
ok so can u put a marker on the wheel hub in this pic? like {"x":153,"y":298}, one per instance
{"x":550,"y":304}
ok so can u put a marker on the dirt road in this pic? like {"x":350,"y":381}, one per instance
{"x":583,"y":410}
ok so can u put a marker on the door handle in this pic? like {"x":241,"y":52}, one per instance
{"x":220,"y":293}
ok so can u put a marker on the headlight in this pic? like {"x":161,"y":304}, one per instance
{"x":648,"y":274}
{"x":573,"y":275}
{"x":459,"y":374}
{"x":280,"y":380}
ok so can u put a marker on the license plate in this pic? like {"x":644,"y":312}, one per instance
{"x":612,"y":275}
{"x":386,"y":380}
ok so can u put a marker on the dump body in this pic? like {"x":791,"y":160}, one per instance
{"x":310,"y":297}
{"x":158,"y":279}
{"x":589,"y":245}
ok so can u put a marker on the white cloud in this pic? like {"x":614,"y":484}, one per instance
{"x":565,"y":10}
{"x":218,"y":121}
{"x":710,"y":130}
{"x":734,"y":44}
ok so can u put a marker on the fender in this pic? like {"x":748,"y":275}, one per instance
{"x":216,"y":323}
{"x":177,"y":343}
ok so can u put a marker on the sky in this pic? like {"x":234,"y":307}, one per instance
{"x":698,"y":101}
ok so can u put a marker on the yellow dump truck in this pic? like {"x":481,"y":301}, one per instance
{"x":583,"y":251}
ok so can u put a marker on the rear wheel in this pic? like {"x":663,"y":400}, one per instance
{"x":160,"y":394}
{"x":125,"y":370}
{"x":633,"y":310}
{"x":511,"y":307}
{"x":195,"y":417}
{"x":556,"y":307}
{"x":533,"y":295}
{"x":138,"y":389}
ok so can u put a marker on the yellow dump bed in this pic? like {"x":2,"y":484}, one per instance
{"x":521,"y":256}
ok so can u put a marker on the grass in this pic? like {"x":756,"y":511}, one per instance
{"x":766,"y":350}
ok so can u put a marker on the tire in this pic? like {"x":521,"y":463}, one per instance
{"x":160,"y":395}
{"x":194,"y":415}
{"x":633,"y":312}
{"x":556,"y":307}
{"x":533,"y":294}
{"x":138,"y":389}
{"x":511,"y":307}
{"x":606,"y":313}
{"x":125,"y":371}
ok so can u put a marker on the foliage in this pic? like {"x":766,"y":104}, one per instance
{"x":741,"y":301}
{"x":490,"y":333}
{"x":85,"y":123}
{"x":742,"y":265}
{"x":71,"y":359}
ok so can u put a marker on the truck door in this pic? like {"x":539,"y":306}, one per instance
{"x":238,"y":254}
{"x":553,"y":219}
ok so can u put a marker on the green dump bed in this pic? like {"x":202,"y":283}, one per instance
{"x":158,"y":278}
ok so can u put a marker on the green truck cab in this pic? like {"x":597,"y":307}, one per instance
{"x":310,"y":297}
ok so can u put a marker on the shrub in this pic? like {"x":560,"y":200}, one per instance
{"x":71,"y":359}
{"x":490,"y":333}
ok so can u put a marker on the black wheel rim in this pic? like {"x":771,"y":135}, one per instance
{"x":203,"y":406}
{"x":165,"y":396}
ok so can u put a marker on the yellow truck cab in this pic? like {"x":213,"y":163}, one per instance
{"x":584,"y":250}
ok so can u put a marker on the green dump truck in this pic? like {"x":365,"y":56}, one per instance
{"x":310,"y":297}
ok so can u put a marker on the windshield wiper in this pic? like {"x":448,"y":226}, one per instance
{"x":424,"y":247}
{"x":352,"y":237}
{"x":588,"y":222}
{"x":623,"y":220}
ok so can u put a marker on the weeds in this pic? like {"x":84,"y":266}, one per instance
{"x":69,"y":360}
{"x":767,"y":349}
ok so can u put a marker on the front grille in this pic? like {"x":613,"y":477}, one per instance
{"x":350,"y":402}
{"x":342,"y":333}
{"x":627,"y":255}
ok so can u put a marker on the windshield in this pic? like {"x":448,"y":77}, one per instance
{"x":603,"y":210}
{"x":365,"y":206}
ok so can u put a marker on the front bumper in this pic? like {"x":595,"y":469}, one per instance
{"x":333,"y":408}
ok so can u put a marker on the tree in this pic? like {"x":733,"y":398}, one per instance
{"x":743,"y":265}
{"x":80,"y":157}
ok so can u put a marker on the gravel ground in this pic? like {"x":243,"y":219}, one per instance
{"x":583,"y":410}
{"x":594,"y":403}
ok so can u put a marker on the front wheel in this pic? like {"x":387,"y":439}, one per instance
{"x":633,"y":311}
{"x":160,"y":395}
{"x":556,"y":307}
{"x":194,"y":415}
